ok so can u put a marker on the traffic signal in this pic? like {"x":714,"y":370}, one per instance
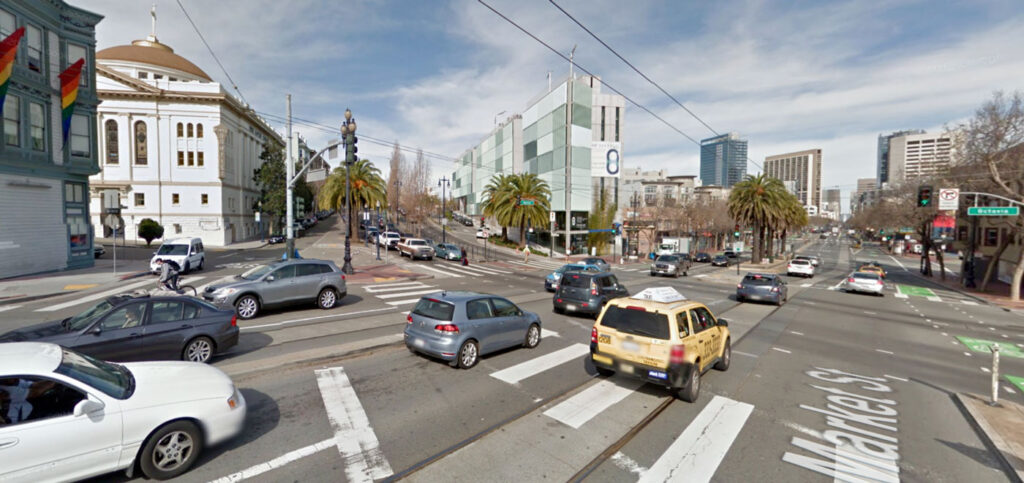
{"x":924,"y":196}
{"x":736,"y":232}
{"x":350,"y":148}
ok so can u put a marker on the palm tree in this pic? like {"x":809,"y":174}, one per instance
{"x":529,"y":186}
{"x":367,"y":188}
{"x":496,"y":201}
{"x":757,"y":201}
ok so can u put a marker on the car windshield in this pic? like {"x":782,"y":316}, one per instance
{"x":595,"y":261}
{"x":719,"y":257}
{"x":668,"y":258}
{"x":83,"y":319}
{"x":257,"y":272}
{"x":639,"y":322}
{"x":172,"y":250}
{"x":754,"y":280}
{"x":434,"y":309}
{"x":113,"y":380}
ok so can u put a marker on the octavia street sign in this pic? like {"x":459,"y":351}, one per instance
{"x":993,"y":211}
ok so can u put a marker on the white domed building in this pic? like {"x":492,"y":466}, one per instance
{"x":175,"y":147}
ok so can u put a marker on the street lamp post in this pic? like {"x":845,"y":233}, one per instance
{"x":348,"y":133}
{"x":443,"y":183}
{"x":377,"y":241}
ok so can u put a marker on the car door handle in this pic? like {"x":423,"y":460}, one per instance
{"x":134,"y":335}
{"x":7,"y":443}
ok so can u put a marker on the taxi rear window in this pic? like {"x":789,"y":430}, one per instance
{"x":576,"y":281}
{"x":434,"y":309}
{"x":638,"y":322}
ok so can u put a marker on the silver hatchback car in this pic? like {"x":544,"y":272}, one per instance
{"x":280,"y":283}
{"x":459,"y":327}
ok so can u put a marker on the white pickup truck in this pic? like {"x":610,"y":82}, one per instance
{"x":415,"y":248}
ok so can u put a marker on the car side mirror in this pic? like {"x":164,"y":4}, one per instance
{"x":723,"y":322}
{"x":96,"y":330}
{"x":88,"y":406}
{"x":270,"y":278}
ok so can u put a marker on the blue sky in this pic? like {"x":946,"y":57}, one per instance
{"x":433,"y":74}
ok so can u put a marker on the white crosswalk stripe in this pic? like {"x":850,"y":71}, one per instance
{"x":442,"y":272}
{"x":577,"y":410}
{"x":4,"y":308}
{"x":532,"y":367}
{"x":969,"y":302}
{"x":401,"y":293}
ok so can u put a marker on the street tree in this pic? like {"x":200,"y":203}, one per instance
{"x":602,"y":215}
{"x":150,"y":230}
{"x":757,"y":201}
{"x":270,"y":178}
{"x":504,"y":198}
{"x":367,"y":189}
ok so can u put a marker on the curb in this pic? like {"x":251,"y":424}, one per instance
{"x":992,"y":440}
{"x":16,"y":300}
{"x":314,"y":357}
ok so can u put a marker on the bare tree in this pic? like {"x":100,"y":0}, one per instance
{"x":395,"y":176}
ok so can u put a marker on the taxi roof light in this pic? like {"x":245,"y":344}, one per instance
{"x":659,"y":294}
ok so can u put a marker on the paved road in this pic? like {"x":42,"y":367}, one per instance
{"x":825,"y":378}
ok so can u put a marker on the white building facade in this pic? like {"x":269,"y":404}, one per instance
{"x":804,"y":169}
{"x":176,"y":147}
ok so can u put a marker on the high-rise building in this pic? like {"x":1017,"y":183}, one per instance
{"x":44,"y":172}
{"x":802,"y":167}
{"x":723,"y":160}
{"x":882,"y":171}
{"x":916,"y":155}
{"x":864,"y":186}
{"x":831,"y":199}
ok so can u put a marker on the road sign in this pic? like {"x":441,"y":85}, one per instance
{"x":112,"y":211}
{"x":525,"y":202}
{"x":113,"y":221}
{"x":949,"y":198}
{"x":993,"y":211}
{"x":444,"y":221}
{"x":551,"y":217}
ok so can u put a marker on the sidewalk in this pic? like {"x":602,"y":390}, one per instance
{"x":1001,"y":427}
{"x":34,"y":287}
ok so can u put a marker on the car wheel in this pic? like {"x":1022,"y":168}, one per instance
{"x":247,"y":307}
{"x":692,"y":389}
{"x":171,"y":450}
{"x":199,"y":349}
{"x":186,"y":268}
{"x":202,"y":261}
{"x":604,"y":372}
{"x":739,"y":298}
{"x":723,"y":363}
{"x":327,"y":299}
{"x":532,"y":336}
{"x":652,"y":274}
{"x":559,"y":310}
{"x":468,"y":355}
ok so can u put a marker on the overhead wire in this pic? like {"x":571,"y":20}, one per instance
{"x":210,"y":49}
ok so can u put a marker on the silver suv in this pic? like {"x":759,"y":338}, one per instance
{"x":281,"y":283}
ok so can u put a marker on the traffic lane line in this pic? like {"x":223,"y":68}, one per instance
{"x":95,"y":296}
{"x":321,"y":317}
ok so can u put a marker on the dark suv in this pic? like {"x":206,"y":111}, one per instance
{"x":586,"y":292}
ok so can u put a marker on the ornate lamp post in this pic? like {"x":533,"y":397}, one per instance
{"x":348,"y":134}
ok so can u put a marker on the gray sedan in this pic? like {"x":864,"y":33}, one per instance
{"x":459,"y":327}
{"x":281,"y":283}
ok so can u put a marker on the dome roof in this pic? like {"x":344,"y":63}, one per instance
{"x":154,"y":53}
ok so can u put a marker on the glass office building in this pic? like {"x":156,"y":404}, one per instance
{"x":723,"y":160}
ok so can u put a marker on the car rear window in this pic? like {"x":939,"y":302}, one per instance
{"x":800,"y":262}
{"x":434,"y":309}
{"x":639,"y":322}
{"x":867,"y":276}
{"x":748,"y":280}
{"x":576,"y":281}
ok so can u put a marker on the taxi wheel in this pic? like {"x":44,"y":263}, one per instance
{"x":604,"y":372}
{"x":692,"y":389}
{"x":723,"y":363}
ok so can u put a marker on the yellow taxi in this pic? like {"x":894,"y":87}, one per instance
{"x":872,"y":269}
{"x":660,"y":336}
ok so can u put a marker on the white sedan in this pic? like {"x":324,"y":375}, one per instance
{"x":801,"y":267}
{"x":66,"y":416}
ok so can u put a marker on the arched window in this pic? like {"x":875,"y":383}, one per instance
{"x":181,"y":130}
{"x":190,"y":129}
{"x":112,"y":152}
{"x":199,"y":131}
{"x":141,"y":143}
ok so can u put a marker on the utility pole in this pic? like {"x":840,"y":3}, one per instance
{"x":443,"y":183}
{"x":568,"y":161}
{"x":290,"y":170}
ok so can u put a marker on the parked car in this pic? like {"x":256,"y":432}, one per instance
{"x":552,"y":279}
{"x":371,"y":234}
{"x":720,"y":261}
{"x":731,"y":254}
{"x":188,"y":253}
{"x":98,"y":250}
{"x":660,"y":337}
{"x":459,"y":327}
{"x":598,"y":262}
{"x":82,"y":417}
{"x":866,"y":282}
{"x":280,"y":283}
{"x":669,"y":265}
{"x":136,"y":328}
{"x":586,"y":292}
{"x":801,"y":267}
{"x":702,"y":257}
{"x":415,"y":248}
{"x":762,"y":287}
{"x":275,"y":239}
{"x":389,"y":239}
{"x":448,"y":251}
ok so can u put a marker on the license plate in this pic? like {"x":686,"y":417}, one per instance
{"x":570,"y":307}
{"x":419,"y":343}
{"x":626,"y":369}
{"x":657,"y":375}
{"x":630,"y":346}
{"x":604,"y":339}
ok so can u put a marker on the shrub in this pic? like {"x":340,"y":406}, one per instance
{"x":150,"y":230}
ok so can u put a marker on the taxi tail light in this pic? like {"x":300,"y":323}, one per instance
{"x":593,"y":335}
{"x":447,"y":328}
{"x":677,"y":354}
{"x":408,"y":319}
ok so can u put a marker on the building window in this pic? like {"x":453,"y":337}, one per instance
{"x":143,"y":75}
{"x":199,"y":158}
{"x":37,"y":126}
{"x":991,"y":237}
{"x":181,"y":158}
{"x":141,"y":143}
{"x":191,"y":158}
{"x":177,"y":229}
{"x":617,"y":124}
{"x":140,"y":199}
{"x":158,"y":76}
{"x":7,"y":24}
{"x":80,"y":136}
{"x":175,"y":198}
{"x":204,"y":198}
{"x":199,"y":131}
{"x":602,"y":123}
{"x":112,"y":149}
{"x":76,"y":52}
{"x":34,"y":38}
{"x":189,"y":129}
{"x":181,"y":130}
{"x":12,"y":121}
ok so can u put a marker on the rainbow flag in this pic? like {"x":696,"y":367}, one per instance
{"x":8,"y":48}
{"x":69,"y":93}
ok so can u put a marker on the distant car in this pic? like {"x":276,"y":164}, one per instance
{"x":188,"y":253}
{"x":280,"y":283}
{"x":275,"y":239}
{"x":598,"y":262}
{"x":586,"y":292}
{"x":459,"y":327}
{"x":481,"y":233}
{"x":823,"y":236}
{"x":82,"y":417}
{"x":551,"y":280}
{"x":762,"y":287}
{"x":814,"y":260}
{"x":800,"y":267}
{"x":731,"y":254}
{"x":448,"y":251}
{"x":872,"y":269}
{"x":720,"y":261}
{"x":702,"y":257}
{"x":98,"y":250}
{"x":389,"y":239}
{"x":371,"y":234}
{"x":129,"y":328}
{"x":866,"y":282}
{"x":415,"y":248}
{"x":667,"y":265}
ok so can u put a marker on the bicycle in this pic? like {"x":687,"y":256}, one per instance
{"x":161,"y":290}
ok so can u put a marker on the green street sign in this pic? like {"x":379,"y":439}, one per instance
{"x":985,"y":346}
{"x":525,"y":202}
{"x":993,"y":211}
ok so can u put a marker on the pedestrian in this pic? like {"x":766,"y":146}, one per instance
{"x":465,"y":259}
{"x":526,"y":254}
